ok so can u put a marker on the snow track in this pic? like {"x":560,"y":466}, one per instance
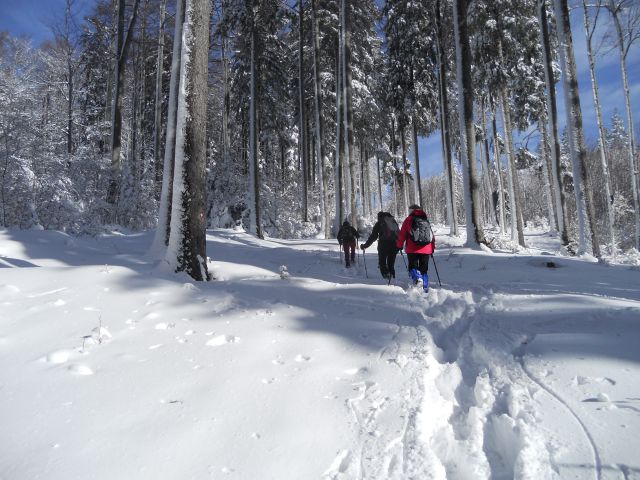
{"x":465,"y":408}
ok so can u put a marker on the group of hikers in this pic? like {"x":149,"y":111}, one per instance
{"x":415,"y":236}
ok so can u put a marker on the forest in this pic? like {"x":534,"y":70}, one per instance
{"x":286,"y":118}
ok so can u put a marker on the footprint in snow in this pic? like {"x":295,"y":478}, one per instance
{"x":277,"y":361}
{"x":155,"y":347}
{"x":339,"y":465}
{"x":222,"y":340}
{"x":268,"y":381}
{"x":80,"y":369}
{"x":302,"y":358}
{"x":151,"y":316}
{"x":356,"y":371}
{"x":57,"y":356}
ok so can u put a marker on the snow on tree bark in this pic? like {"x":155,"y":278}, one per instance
{"x":475,"y":234}
{"x":187,"y":242}
{"x":631,"y":142}
{"x":552,"y":108}
{"x":601,"y":134}
{"x":588,"y":241}
{"x":161,"y":239}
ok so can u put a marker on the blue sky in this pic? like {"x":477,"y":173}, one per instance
{"x":34,"y":18}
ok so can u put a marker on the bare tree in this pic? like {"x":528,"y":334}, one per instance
{"x":552,"y":110}
{"x":123,"y":41}
{"x":588,"y":240}
{"x":589,"y":32}
{"x":626,"y":36}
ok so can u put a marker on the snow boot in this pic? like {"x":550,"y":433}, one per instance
{"x":425,"y":282}
{"x":415,"y":275}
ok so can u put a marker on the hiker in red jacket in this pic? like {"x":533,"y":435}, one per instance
{"x":418,"y":240}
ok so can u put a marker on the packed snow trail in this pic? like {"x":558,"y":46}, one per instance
{"x":110,"y":368}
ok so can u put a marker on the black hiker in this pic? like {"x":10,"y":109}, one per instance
{"x":386,"y":232}
{"x":347,"y":236}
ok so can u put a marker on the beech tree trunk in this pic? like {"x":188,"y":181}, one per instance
{"x":161,"y":239}
{"x":552,"y":108}
{"x":157,"y":116}
{"x":123,"y":40}
{"x":303,"y":118}
{"x":348,"y":108}
{"x":255,"y":218}
{"x":588,"y":241}
{"x":452,"y":215}
{"x":601,"y":134}
{"x":475,"y":234}
{"x":631,"y":144}
{"x":188,"y":220}
{"x":323,"y":175}
{"x":338,"y":185}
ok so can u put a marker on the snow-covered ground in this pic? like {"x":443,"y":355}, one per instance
{"x":519,"y":366}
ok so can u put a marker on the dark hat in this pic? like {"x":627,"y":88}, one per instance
{"x":415,"y":206}
{"x":345,"y":223}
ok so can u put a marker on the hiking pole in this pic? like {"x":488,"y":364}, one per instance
{"x":403,"y":260}
{"x":436,"y":267}
{"x":364,"y":260}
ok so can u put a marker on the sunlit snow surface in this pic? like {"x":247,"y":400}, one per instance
{"x":520,"y":366}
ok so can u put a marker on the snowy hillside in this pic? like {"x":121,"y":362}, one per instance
{"x":518,"y":366}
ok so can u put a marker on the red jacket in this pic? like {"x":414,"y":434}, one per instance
{"x":405,"y":235}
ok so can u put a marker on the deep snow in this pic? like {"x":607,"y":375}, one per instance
{"x":514,"y":368}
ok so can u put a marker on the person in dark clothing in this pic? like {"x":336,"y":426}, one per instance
{"x":420,"y":243}
{"x":386,"y":232}
{"x":347,"y":237}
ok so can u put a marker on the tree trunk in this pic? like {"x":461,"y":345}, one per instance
{"x":416,"y":159}
{"x":444,"y":125}
{"x":405,"y":170}
{"x":339,"y":139}
{"x":475,"y":234}
{"x":631,"y":144}
{"x":601,"y":134}
{"x":548,"y":191}
{"x":556,"y":170}
{"x":489,"y":182}
{"x":322,"y":174}
{"x":396,"y":195}
{"x":187,"y":244}
{"x":255,"y":218}
{"x":302,"y":117}
{"x":584,"y":204}
{"x":348,"y":108}
{"x":498,"y":163}
{"x":161,"y":239}
{"x":157,"y":117}
{"x":517,"y":227}
{"x":122,"y":48}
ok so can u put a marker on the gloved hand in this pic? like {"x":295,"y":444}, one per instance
{"x":362,"y":246}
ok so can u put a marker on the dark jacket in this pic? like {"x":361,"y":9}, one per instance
{"x":384,"y":244}
{"x":347,"y":234}
{"x":411,"y":247}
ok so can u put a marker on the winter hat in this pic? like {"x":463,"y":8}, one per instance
{"x":415,"y":206}
{"x":345,"y":223}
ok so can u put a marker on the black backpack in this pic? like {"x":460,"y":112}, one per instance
{"x":389,"y":230}
{"x":420,"y":232}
